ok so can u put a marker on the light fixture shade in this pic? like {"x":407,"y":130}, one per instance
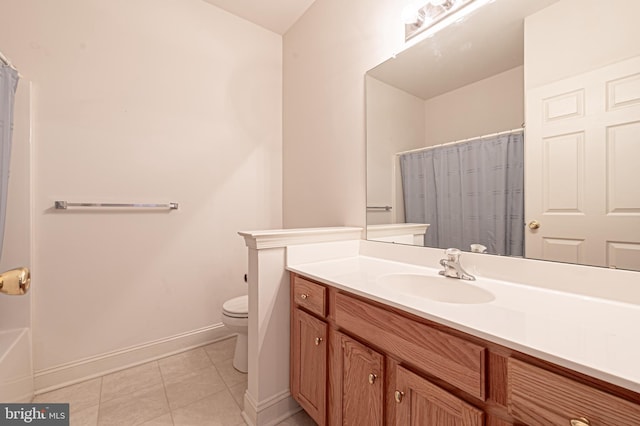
{"x":411,"y":14}
{"x":428,"y":13}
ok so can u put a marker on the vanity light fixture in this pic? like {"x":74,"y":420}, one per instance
{"x":419,"y":17}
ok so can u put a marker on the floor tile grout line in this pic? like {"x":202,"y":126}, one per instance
{"x":166,"y":396}
{"x":99,"y":400}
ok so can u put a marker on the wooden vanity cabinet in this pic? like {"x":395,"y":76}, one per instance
{"x":359,"y":362}
{"x":309,"y":349}
{"x":347,"y":383}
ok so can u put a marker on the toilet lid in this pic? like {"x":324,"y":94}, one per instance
{"x":238,"y":307}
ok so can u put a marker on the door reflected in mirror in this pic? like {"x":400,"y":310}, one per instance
{"x":448,"y":161}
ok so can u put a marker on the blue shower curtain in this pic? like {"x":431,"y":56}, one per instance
{"x":469,"y":193}
{"x":8,"y":86}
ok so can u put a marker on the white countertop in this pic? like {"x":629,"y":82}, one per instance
{"x":594,"y":336}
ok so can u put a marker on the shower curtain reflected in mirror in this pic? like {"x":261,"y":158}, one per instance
{"x":8,"y":86}
{"x":470,"y":193}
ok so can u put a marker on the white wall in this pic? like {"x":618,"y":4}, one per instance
{"x":575,"y":36}
{"x":144,"y":101}
{"x":487,"y":106}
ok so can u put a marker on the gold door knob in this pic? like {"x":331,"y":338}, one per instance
{"x":318,"y":340}
{"x":398,"y":396}
{"x":15,"y":282}
{"x":304,"y":296}
{"x":580,"y":422}
{"x":372,"y":378}
{"x":534,"y":224}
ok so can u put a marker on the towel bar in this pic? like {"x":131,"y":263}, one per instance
{"x":62,"y":205}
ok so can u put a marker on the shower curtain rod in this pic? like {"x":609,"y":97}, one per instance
{"x":505,"y":132}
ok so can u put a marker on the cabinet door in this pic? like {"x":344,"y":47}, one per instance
{"x":359,"y":393}
{"x":309,"y":364}
{"x":421,"y":403}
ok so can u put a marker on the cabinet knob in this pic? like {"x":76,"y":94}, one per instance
{"x":398,"y":396}
{"x":318,"y":340}
{"x":304,"y":296}
{"x":372,"y":378}
{"x":580,"y":422}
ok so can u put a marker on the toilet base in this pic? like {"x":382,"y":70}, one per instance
{"x":241,"y":353}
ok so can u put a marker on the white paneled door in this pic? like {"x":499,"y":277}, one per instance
{"x":582,"y":174}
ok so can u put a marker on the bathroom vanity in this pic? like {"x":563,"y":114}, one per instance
{"x":363,"y":352}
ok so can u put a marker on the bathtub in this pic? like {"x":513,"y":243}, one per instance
{"x":16,"y":369}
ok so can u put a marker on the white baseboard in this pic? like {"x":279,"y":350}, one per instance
{"x":271,"y":411}
{"x":16,"y":371}
{"x":96,"y":366}
{"x":19,"y":391}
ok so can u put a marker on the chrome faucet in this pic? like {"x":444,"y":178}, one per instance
{"x":452,"y":267}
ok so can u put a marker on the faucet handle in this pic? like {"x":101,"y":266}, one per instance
{"x":453,"y":254}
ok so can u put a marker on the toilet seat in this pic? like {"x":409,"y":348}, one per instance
{"x":238,"y":307}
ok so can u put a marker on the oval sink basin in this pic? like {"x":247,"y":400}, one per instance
{"x":440,"y":289}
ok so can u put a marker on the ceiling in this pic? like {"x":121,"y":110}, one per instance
{"x":275,"y":15}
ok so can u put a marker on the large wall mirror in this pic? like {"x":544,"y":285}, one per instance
{"x":514,"y":131}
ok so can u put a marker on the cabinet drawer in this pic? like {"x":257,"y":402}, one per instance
{"x":538,"y":397}
{"x":310,"y":295}
{"x":454,"y":360}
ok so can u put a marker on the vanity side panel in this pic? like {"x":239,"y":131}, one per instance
{"x":460,"y":363}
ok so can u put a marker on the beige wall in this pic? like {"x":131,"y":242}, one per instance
{"x":395,"y":123}
{"x":144,"y":101}
{"x":575,"y":36}
{"x":398,"y":121}
{"x":15,"y":311}
{"x":487,"y":106}
{"x":325,"y":56}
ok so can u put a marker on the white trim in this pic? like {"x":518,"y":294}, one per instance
{"x":270,"y":411}
{"x":285,"y":237}
{"x":395,"y":229}
{"x":16,"y":373}
{"x":96,"y":366}
{"x":19,"y":391}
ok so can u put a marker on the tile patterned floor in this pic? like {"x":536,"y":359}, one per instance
{"x":198,"y":387}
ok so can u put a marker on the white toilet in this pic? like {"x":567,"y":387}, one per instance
{"x":235,"y":316}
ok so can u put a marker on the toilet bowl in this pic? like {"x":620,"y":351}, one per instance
{"x":235,"y":316}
